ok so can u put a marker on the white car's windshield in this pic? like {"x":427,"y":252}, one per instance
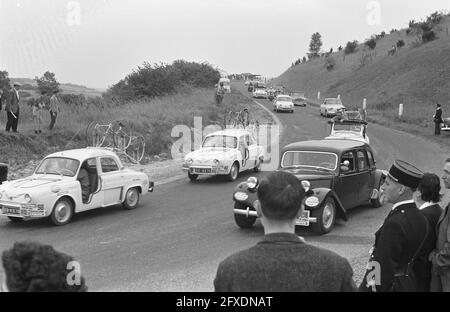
{"x":347,"y":127}
{"x":284,"y":99}
{"x":59,"y":166}
{"x":309,"y":159}
{"x":220,"y":141}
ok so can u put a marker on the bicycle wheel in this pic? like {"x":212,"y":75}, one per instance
{"x":89,"y":133}
{"x":136,"y":149}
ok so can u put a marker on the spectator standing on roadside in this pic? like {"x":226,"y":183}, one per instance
{"x":438,"y":120}
{"x":427,"y":199}
{"x":402,"y":233}
{"x":440,"y":257}
{"x":32,"y":267}
{"x":12,"y":108}
{"x":37,"y":113}
{"x":282,"y":261}
{"x":54,"y":109}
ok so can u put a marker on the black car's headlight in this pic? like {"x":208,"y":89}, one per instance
{"x":252,"y":183}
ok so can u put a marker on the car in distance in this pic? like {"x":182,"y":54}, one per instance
{"x":227,"y":152}
{"x":283,"y":103}
{"x":54,"y":190}
{"x":260,"y":93}
{"x":298,"y":98}
{"x":330,"y":107}
{"x":351,"y":129}
{"x":338,"y":175}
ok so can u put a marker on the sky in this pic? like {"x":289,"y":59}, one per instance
{"x":96,"y":43}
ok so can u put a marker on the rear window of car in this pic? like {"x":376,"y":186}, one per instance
{"x":109,"y":165}
{"x":284,"y":99}
{"x":333,"y":102}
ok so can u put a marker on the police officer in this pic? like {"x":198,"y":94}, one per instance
{"x":437,"y":120}
{"x":403,"y":231}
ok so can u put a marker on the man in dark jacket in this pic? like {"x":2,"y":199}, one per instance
{"x":12,"y":108}
{"x":427,"y":200}
{"x":401,"y":234}
{"x":282,"y":261}
{"x":438,"y":120}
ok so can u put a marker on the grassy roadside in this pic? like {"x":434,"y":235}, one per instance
{"x":154,"y":119}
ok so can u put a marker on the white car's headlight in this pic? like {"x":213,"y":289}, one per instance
{"x":28,"y":198}
{"x":216,"y":161}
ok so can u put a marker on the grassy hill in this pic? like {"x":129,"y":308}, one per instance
{"x":30,"y":86}
{"x":417,"y":76}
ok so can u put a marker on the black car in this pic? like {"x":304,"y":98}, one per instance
{"x":338,"y":175}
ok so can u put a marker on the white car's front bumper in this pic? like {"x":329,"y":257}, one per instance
{"x":24,"y":211}
{"x":206,"y":170}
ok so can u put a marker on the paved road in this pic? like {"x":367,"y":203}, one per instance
{"x":176,"y":239}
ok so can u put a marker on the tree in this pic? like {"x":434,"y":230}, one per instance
{"x":4,"y":80}
{"x":304,"y":59}
{"x":315,"y":45}
{"x":47,"y":83}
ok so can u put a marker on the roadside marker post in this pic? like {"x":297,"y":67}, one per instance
{"x":318,"y":95}
{"x":339,"y":97}
{"x":400,"y":111}
{"x":365,"y":104}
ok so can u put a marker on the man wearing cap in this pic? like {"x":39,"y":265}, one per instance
{"x":12,"y":108}
{"x":282,"y":261}
{"x":402,"y":233}
{"x":438,"y":120}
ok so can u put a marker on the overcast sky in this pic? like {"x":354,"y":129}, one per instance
{"x":98,"y":42}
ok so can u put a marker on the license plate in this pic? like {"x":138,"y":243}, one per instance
{"x":303,"y":220}
{"x":14,"y":211}
{"x":203,"y":170}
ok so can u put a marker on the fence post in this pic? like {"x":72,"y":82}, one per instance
{"x":400,"y":111}
{"x":339,"y":97}
{"x":364,"y":104}
{"x":318,"y":95}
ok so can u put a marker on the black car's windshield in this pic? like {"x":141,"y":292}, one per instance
{"x":333,"y":102}
{"x":306,"y":159}
{"x":58,"y":166}
{"x":220,"y":141}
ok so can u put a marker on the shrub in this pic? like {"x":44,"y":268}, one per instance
{"x":393,"y":30}
{"x":163,"y":79}
{"x":408,"y":31}
{"x":330,"y":63}
{"x":351,"y":47}
{"x":340,"y":48}
{"x":400,"y":43}
{"x":428,"y":36}
{"x":371,"y":43}
{"x":73,"y":99}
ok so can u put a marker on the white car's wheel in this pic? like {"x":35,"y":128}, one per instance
{"x":192,"y":177}
{"x":62,"y":212}
{"x":234,"y":172}
{"x":131,"y":199}
{"x":15,"y":219}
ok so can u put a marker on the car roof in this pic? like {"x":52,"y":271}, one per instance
{"x":231,"y":132}
{"x":334,"y":146}
{"x":84,"y":153}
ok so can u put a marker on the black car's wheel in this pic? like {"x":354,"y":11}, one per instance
{"x":131,"y":199}
{"x":376,"y":203}
{"x":234,"y":172}
{"x":243,"y":221}
{"x":192,"y":177}
{"x":326,"y":216}
{"x":62,"y":212}
{"x":15,"y":219}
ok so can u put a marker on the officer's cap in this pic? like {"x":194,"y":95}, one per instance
{"x":405,"y":174}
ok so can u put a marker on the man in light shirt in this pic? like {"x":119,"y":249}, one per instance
{"x":54,"y":109}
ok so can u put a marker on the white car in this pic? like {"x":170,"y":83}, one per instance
{"x":349,"y":130}
{"x":226,"y":152}
{"x":283,"y":103}
{"x":330,"y":107}
{"x":54,"y":190}
{"x":260,"y":93}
